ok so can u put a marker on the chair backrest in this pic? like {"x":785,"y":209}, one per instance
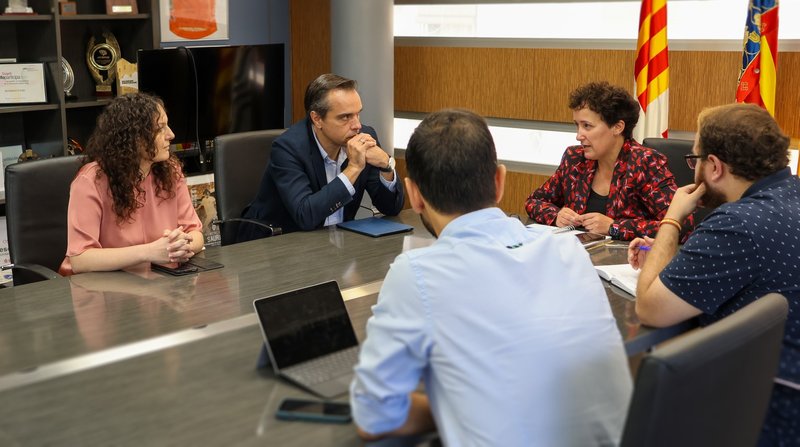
{"x":711,"y":386}
{"x":674,"y":149}
{"x":37,"y":198}
{"x":240,"y":160}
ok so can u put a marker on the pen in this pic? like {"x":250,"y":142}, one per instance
{"x":644,"y":248}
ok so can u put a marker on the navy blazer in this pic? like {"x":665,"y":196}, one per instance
{"x":295,"y":195}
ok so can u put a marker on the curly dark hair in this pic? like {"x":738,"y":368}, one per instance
{"x":611,"y":102}
{"x":745,"y":137}
{"x":126,"y":126}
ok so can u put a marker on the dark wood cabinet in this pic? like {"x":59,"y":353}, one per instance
{"x":48,"y":36}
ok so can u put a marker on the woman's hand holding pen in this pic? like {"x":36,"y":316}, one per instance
{"x":637,"y":251}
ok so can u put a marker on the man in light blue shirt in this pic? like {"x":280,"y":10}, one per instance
{"x":508,"y":327}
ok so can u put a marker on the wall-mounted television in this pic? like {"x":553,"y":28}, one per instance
{"x":211,"y":91}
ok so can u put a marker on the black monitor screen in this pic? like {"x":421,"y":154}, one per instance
{"x":238,"y":88}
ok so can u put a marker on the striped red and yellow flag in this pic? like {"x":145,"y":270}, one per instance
{"x":760,"y":59}
{"x":652,"y":71}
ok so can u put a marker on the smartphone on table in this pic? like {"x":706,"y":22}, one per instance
{"x":314,"y":411}
{"x":591,"y":239}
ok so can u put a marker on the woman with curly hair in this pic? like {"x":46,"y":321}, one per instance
{"x":129,"y":203}
{"x":609,"y":183}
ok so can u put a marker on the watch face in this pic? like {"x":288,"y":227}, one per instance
{"x":613,"y":231}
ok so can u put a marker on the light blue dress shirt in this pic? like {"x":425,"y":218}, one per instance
{"x":333,"y":169}
{"x":511,"y":332}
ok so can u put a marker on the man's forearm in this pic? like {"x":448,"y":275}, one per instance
{"x":663,"y":250}
{"x":419,"y":420}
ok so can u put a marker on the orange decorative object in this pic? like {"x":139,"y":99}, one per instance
{"x":192,"y":19}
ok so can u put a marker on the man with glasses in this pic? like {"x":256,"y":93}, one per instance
{"x":746,"y":248}
{"x":321,"y":166}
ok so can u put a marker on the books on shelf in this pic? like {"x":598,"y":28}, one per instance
{"x":620,"y":275}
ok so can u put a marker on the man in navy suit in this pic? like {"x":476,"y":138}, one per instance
{"x":320,"y":167}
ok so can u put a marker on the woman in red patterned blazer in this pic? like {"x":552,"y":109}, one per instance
{"x":609,"y":184}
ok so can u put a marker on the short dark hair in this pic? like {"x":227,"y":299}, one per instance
{"x":745,"y":137}
{"x":611,"y":102}
{"x":452,"y":159}
{"x":316,"y":98}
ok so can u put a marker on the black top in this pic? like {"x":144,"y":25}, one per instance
{"x":596,"y":203}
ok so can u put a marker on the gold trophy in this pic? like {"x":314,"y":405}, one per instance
{"x":102,"y":55}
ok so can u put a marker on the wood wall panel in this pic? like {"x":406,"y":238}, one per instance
{"x":519,"y":83}
{"x":533,"y":84}
{"x":519,"y":186}
{"x":310,"y":30}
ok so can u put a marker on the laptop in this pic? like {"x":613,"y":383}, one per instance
{"x":375,"y":226}
{"x":309,"y":338}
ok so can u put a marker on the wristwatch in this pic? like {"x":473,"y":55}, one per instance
{"x":613,"y":231}
{"x":389,"y":167}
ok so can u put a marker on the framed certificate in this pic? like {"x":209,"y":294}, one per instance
{"x":22,"y":84}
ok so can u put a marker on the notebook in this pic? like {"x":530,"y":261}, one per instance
{"x":375,"y":226}
{"x":309,"y":338}
{"x":621,"y":275}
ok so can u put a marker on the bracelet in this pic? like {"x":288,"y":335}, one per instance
{"x":672,"y":222}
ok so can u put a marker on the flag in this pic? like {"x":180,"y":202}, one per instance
{"x":651,"y":71}
{"x":760,"y":58}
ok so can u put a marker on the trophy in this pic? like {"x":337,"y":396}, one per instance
{"x":68,"y":79}
{"x":18,"y":7}
{"x":102,"y":55}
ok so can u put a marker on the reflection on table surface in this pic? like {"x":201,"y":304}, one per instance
{"x":204,"y":390}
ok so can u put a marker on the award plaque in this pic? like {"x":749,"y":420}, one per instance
{"x":68,"y":79}
{"x":102,"y":55}
{"x":121,"y":7}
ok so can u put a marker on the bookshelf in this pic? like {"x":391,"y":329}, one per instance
{"x":45,"y":38}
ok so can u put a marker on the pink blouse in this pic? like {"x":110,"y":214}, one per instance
{"x":92,"y":223}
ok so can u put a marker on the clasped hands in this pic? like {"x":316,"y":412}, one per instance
{"x":362,"y":150}
{"x":173,"y":246}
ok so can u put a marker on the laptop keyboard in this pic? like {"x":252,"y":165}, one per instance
{"x":324,"y":368}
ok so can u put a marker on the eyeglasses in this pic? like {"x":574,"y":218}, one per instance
{"x":691,"y":160}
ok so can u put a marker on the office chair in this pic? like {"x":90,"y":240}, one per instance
{"x":711,"y":386}
{"x":674,"y":149}
{"x":37,"y":198}
{"x":239,"y":162}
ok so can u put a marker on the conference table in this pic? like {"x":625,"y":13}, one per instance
{"x":141,"y":358}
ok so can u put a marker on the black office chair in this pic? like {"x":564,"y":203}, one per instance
{"x":674,"y":149}
{"x":239,"y":162}
{"x":710,"y":387}
{"x":37,"y":198}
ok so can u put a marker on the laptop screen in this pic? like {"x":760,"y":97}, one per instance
{"x":305,"y":324}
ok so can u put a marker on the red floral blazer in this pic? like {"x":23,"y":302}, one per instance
{"x":641,"y":190}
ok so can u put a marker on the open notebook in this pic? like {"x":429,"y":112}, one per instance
{"x":621,"y":275}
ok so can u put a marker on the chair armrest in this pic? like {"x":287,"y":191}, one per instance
{"x":29,"y":273}
{"x":273,"y":231}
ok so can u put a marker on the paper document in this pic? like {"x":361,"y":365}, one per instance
{"x":621,"y":275}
